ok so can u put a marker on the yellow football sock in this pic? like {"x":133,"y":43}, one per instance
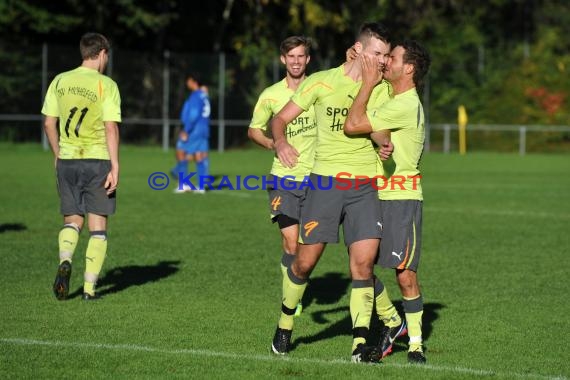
{"x":293,"y":289}
{"x":361,"y":305}
{"x":413,"y":308}
{"x":384,"y":307}
{"x":94,"y":258}
{"x":68,"y":237}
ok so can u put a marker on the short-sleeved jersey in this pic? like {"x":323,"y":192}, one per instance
{"x":195,"y":115}
{"x":83,"y":99}
{"x":404,"y":116}
{"x":332,"y":93}
{"x":301,"y":132}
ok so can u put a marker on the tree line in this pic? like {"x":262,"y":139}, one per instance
{"x":507,"y":61}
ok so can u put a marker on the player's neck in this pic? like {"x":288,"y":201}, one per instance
{"x":293,"y":83}
{"x":353,"y":70}
{"x":402,"y":86}
{"x":91,"y":64}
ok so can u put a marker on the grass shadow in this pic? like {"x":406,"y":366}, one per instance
{"x":326,"y":290}
{"x":121,"y":278}
{"x":5,"y":227}
{"x":343,"y":326}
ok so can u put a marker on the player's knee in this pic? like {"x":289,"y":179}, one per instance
{"x":291,"y":246}
{"x":407,"y":279}
{"x":302,"y":269}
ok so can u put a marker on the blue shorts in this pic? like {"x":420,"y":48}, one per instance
{"x":192,"y":146}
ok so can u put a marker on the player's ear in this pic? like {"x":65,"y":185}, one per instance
{"x":282,"y":58}
{"x":358,"y":47}
{"x":308,"y":59}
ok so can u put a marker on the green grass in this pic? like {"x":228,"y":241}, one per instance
{"x":192,"y":283}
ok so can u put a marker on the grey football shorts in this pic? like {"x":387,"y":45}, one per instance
{"x":327,"y":207}
{"x":81,"y":187}
{"x":400,"y":246}
{"x":285,"y":198}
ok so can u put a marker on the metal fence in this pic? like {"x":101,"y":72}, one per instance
{"x":152,"y":86}
{"x":152,"y":91}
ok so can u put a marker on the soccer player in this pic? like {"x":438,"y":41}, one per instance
{"x":330,"y":202}
{"x":87,"y":105}
{"x":286,"y":194}
{"x":193,"y":141}
{"x":401,"y":199}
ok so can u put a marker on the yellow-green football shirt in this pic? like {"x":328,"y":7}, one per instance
{"x":83,"y":99}
{"x":301,"y":132}
{"x":332,"y":93}
{"x":404,"y":116}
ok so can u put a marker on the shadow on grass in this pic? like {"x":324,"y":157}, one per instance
{"x":121,"y":278}
{"x":343,"y":326}
{"x":326,"y":290}
{"x":4,"y":227}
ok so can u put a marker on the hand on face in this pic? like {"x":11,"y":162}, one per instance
{"x":372,"y":71}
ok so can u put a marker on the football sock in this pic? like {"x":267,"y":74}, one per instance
{"x":94,"y":258}
{"x":361,"y":304}
{"x":414,"y":309}
{"x":293,"y":289}
{"x":384,"y":307}
{"x":182,"y":167}
{"x":286,"y":260}
{"x":68,"y":237}
{"x":202,"y":167}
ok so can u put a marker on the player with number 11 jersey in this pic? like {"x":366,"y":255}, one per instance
{"x":83,"y":99}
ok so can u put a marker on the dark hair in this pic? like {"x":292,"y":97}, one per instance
{"x":415,"y":54}
{"x":195,"y":77}
{"x":373,"y":29}
{"x":293,"y":42}
{"x":91,"y":45}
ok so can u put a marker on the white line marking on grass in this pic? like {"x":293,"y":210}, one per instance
{"x":239,"y":194}
{"x":268,"y":357}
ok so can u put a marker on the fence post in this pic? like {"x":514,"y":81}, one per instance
{"x":44,"y":90}
{"x":221,"y":105}
{"x":446,"y":133}
{"x":427,"y":125}
{"x":522,"y":140}
{"x":165,"y":101}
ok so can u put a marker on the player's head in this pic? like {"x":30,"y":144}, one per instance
{"x":408,"y":60}
{"x":295,"y":55}
{"x":193,"y":81}
{"x":94,"y":46}
{"x":373,"y":39}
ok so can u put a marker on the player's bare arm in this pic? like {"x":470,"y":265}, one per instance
{"x":50,"y":128}
{"x":382,"y":138}
{"x":112,"y":136}
{"x":285,"y":152}
{"x":357,"y":121}
{"x":257,"y":135}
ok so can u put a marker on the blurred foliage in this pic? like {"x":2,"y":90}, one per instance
{"x":507,"y":61}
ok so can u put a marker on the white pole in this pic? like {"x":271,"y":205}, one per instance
{"x":44,"y":90}
{"x":221,"y":104}
{"x":522,"y":140}
{"x":165,"y":100}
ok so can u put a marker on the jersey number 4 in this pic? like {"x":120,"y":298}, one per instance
{"x":78,"y":125}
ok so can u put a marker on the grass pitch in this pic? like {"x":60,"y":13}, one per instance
{"x":191,"y":283}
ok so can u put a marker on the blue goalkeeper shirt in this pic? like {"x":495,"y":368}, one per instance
{"x":195,"y":115}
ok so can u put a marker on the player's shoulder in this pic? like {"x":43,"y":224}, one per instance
{"x":323,"y":74}
{"x":107,"y":80}
{"x":275,"y":89}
